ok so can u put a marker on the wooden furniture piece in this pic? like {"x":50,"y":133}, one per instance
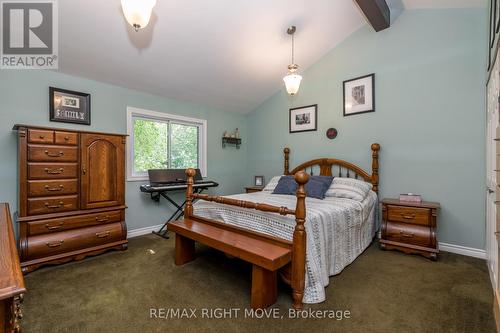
{"x":410,"y":227}
{"x":71,"y":195}
{"x":253,"y":189}
{"x":11,"y":279}
{"x":266,"y":253}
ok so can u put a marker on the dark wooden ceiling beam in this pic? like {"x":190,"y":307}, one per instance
{"x":377,"y":12}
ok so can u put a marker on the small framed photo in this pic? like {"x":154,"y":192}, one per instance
{"x":259,"y":181}
{"x":359,"y":95}
{"x":68,"y":106}
{"x":304,"y":119}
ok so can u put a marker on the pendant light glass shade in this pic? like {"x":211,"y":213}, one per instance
{"x":138,"y":12}
{"x":292,"y":83}
{"x":292,"y":79}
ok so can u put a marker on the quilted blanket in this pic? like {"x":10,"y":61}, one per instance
{"x":338,"y":230}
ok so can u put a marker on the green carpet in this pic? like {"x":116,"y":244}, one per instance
{"x":384,"y":291}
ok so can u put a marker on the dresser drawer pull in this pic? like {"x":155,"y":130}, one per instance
{"x":59,"y":154}
{"x":54,"y":189}
{"x":406,"y":235}
{"x":102,"y":219}
{"x":54,"y":244}
{"x":59,"y":205}
{"x":54,"y":227}
{"x":66,"y":138}
{"x":102,"y":234}
{"x":41,"y":137}
{"x":54,"y":171}
{"x":408,"y":216}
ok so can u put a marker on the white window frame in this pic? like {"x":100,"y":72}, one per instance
{"x":161,"y":116}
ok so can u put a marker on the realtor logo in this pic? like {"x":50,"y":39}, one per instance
{"x":29,"y":34}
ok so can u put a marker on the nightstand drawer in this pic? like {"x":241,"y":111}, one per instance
{"x":411,"y":215}
{"x":409,"y":234}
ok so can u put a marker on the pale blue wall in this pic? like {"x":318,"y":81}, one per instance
{"x":429,"y":119}
{"x":24,"y":99}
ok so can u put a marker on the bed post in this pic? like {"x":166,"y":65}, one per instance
{"x":188,"y":211}
{"x":299,"y":242}
{"x":286,"y":170}
{"x":375,"y":149}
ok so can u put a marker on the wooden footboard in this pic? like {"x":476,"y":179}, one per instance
{"x":298,"y":262}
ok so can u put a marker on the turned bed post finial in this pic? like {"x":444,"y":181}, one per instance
{"x":188,"y":211}
{"x":375,"y":150}
{"x":286,"y":170}
{"x":299,"y":242}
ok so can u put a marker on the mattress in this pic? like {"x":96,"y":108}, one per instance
{"x":338,"y":230}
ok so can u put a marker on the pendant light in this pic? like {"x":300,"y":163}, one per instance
{"x":292,"y":79}
{"x":138,"y":12}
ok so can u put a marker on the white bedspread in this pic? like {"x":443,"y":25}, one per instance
{"x":338,"y":230}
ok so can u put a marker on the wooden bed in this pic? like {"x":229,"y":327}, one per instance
{"x":267,"y":254}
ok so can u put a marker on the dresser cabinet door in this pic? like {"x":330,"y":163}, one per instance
{"x":102,"y":171}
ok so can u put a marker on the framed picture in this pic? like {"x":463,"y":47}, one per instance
{"x":259,"y":181}
{"x":359,"y":95}
{"x":304,"y":119}
{"x":68,"y":106}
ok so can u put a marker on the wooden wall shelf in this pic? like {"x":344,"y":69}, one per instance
{"x":232,"y":141}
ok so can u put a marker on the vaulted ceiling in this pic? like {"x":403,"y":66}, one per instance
{"x":226,"y":54}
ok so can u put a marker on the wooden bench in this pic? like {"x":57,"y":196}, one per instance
{"x":267,"y":254}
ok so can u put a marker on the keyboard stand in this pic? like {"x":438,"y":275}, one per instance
{"x":176,"y":215}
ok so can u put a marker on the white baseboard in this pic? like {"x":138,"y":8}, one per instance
{"x":143,"y":231}
{"x":463,"y":250}
{"x":457,"y":249}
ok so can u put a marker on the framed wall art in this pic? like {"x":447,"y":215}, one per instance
{"x":304,"y":119}
{"x":69,"y":106}
{"x":359,"y":95}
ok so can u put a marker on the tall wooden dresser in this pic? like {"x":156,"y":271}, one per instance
{"x":71,"y":195}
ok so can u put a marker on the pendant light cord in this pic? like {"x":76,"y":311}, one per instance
{"x":293,"y":48}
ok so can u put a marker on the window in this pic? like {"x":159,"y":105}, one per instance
{"x":163,"y":141}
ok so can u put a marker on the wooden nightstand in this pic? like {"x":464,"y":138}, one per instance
{"x":251,"y":189}
{"x":410,"y":227}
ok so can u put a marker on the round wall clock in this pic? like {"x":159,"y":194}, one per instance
{"x":331,"y":133}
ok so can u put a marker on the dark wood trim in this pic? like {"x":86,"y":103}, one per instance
{"x":303,"y":107}
{"x":11,"y":279}
{"x":17,"y":127}
{"x":377,"y":13}
{"x":373,"y":94}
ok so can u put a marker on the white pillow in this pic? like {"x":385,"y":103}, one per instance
{"x":272,"y":184}
{"x":349,"y":188}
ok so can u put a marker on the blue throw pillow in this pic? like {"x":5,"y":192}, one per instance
{"x":316,"y":187}
{"x":286,"y":185}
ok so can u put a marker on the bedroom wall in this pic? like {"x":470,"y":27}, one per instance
{"x":24,"y":99}
{"x":429,"y":119}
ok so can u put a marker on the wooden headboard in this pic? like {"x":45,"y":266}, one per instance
{"x":345,"y":169}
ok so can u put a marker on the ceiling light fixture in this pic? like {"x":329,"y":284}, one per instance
{"x":138,"y":12}
{"x":292,"y":80}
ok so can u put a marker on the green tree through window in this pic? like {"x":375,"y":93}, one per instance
{"x":163,"y":144}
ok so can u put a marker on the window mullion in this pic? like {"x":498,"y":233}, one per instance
{"x":169,"y":144}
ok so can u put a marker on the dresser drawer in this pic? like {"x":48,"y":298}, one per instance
{"x":49,"y":205}
{"x":40,"y":136}
{"x":66,"y":138}
{"x":40,"y":188}
{"x":52,"y":170}
{"x":74,"y":222}
{"x":37,"y":153}
{"x":408,"y":233}
{"x":411,"y":215}
{"x":71,"y":240}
